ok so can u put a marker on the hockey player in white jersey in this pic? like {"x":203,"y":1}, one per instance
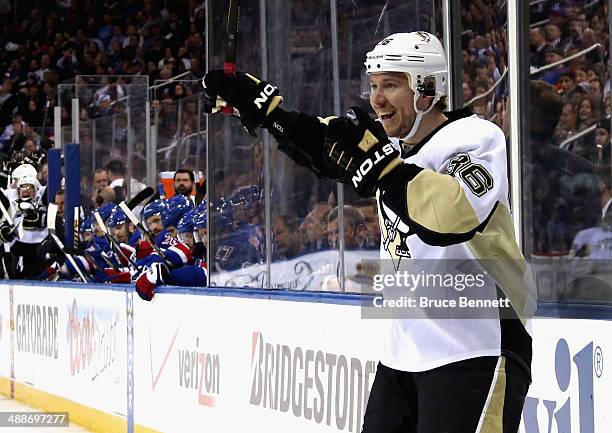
{"x":441,"y":185}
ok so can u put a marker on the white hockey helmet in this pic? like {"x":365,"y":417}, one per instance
{"x":421,"y":57}
{"x":28,"y":180}
{"x":23,"y":170}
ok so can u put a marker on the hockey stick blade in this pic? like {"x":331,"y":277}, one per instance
{"x":51,"y":216}
{"x":140,"y":197}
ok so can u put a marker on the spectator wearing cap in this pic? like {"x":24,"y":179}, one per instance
{"x":551,"y":76}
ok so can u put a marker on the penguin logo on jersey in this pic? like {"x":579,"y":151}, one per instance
{"x":394,"y":232}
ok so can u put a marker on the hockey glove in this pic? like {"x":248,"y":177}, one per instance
{"x":357,"y":150}
{"x":117,"y":276}
{"x":8,"y":233}
{"x":149,"y":279}
{"x":32,"y":219}
{"x":253,"y":98}
{"x":51,"y":272}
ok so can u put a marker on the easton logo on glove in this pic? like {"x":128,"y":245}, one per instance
{"x":254,"y":99}
{"x":268,"y":91}
{"x":357,"y":150}
{"x":368,"y":164}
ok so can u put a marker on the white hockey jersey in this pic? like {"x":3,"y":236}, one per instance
{"x":455,"y":208}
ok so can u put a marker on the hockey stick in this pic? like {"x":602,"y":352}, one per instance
{"x":51,"y":216}
{"x":143,"y":195}
{"x":229,"y":65}
{"x":8,"y":218}
{"x":4,"y":205}
{"x":111,"y":239}
{"x":143,"y":229}
{"x":114,"y":243}
{"x":75,"y":234}
{"x":84,"y":253}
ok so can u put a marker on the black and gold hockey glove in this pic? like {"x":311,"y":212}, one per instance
{"x":357,"y":150}
{"x":253,"y":98}
{"x":8,"y":233}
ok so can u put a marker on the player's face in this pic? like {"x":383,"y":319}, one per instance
{"x":392,"y":100}
{"x":155,"y":224}
{"x":203,"y":232}
{"x":97,"y":231}
{"x":186,"y":238}
{"x":172,"y":231}
{"x":87,"y":236}
{"x":120,"y":233}
{"x":27,"y":191}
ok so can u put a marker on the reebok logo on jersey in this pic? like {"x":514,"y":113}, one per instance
{"x":268,"y":90}
{"x":368,"y":164}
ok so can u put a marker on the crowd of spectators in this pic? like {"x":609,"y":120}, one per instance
{"x":567,"y":167}
{"x":44,"y":44}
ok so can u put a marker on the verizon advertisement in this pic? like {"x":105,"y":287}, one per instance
{"x":233,"y":364}
{"x":72,"y":343}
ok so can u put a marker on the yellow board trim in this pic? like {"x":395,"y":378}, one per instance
{"x":85,"y":416}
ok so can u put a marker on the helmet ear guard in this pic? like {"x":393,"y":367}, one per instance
{"x":427,"y":86}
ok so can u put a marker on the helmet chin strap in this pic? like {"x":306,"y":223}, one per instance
{"x":419,"y":114}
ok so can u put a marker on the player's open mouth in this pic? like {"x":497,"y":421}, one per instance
{"x":386,"y":116}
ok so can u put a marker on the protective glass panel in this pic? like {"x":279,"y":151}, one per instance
{"x":237,"y":229}
{"x":178,"y":142}
{"x":304,"y":250}
{"x":111,"y":112}
{"x":360,"y":29}
{"x":179,"y":125}
{"x":567,"y":161}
